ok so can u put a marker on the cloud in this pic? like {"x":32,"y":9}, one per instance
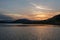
{"x":40,"y":7}
{"x":14,"y":16}
{"x":5,"y":17}
{"x":18,"y":16}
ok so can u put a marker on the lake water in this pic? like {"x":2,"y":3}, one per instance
{"x":29,"y":32}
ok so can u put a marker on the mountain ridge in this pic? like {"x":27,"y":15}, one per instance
{"x":54,"y":20}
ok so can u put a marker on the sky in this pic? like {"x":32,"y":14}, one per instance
{"x":30,"y":9}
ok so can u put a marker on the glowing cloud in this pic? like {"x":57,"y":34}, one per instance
{"x":14,"y":16}
{"x":40,"y":15}
{"x":40,"y":7}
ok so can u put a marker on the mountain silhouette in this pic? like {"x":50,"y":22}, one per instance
{"x":54,"y":20}
{"x":5,"y":18}
{"x":22,"y":21}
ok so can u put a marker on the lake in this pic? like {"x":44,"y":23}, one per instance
{"x":29,"y":32}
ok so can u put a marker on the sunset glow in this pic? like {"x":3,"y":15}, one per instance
{"x":41,"y":16}
{"x":29,"y":9}
{"x":29,"y":19}
{"x":32,"y":17}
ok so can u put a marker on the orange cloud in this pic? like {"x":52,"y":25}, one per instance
{"x":37,"y":15}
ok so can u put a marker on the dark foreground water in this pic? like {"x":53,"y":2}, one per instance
{"x":31,"y":32}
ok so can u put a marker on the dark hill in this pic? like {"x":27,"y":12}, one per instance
{"x":54,"y":20}
{"x":23,"y":21}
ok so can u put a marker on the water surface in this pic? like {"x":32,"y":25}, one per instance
{"x":37,"y":32}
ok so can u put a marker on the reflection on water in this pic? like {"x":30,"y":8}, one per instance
{"x":42,"y":32}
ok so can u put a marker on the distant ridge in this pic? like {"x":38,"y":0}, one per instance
{"x":54,"y":20}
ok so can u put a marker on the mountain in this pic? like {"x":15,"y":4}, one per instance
{"x":54,"y":20}
{"x":5,"y":18}
{"x":24,"y":21}
{"x":6,"y":21}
